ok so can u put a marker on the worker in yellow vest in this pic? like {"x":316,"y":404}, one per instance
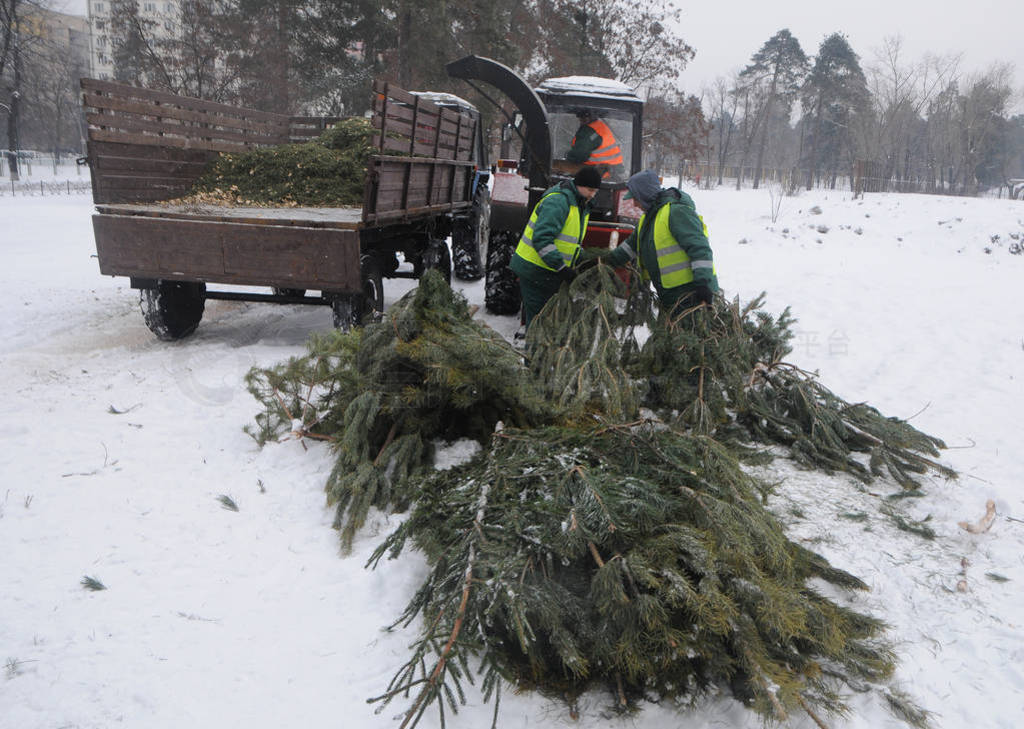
{"x":670,"y":244}
{"x":549,"y":248}
{"x":594,"y":144}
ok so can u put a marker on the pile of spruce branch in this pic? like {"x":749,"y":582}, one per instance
{"x":329,"y":171}
{"x":605,"y":535}
{"x":718,"y":371}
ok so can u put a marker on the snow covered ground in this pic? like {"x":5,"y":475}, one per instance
{"x":117,"y":447}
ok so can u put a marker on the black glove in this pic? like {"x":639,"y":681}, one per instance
{"x":567,"y":274}
{"x":703,"y":295}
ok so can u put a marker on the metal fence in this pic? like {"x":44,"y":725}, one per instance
{"x":45,"y":187}
{"x":44,"y":174}
{"x":865,"y":177}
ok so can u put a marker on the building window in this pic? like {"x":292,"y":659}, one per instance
{"x":98,"y":7}
{"x":99,"y":25}
{"x":167,"y":7}
{"x":149,"y":7}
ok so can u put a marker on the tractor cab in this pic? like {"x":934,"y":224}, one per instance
{"x":544,"y":120}
{"x":605,"y":103}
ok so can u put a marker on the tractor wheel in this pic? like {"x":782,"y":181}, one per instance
{"x":172,"y":309}
{"x":469,"y":238}
{"x":501,"y":290}
{"x":437,"y":256}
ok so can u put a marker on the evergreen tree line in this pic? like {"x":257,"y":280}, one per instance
{"x":893,"y":123}
{"x":321,"y":56}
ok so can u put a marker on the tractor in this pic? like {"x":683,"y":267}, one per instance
{"x":544,"y":123}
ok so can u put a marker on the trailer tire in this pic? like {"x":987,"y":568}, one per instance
{"x":355,"y":310}
{"x":469,"y":238}
{"x":501,"y":290}
{"x":172,"y":309}
{"x":437,"y":256}
{"x":371,"y":276}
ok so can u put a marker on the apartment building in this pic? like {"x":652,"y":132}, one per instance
{"x":159,"y":16}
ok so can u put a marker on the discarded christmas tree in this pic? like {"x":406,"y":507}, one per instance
{"x":381,"y":395}
{"x":716,"y":371}
{"x":328,"y":171}
{"x":605,"y":534}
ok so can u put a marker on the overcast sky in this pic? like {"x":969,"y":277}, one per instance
{"x":726,"y":36}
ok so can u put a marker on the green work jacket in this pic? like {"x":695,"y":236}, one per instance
{"x":671,"y":247}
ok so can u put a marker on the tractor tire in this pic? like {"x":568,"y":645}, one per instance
{"x":172,"y":310}
{"x":469,"y":238}
{"x":501,"y":289}
{"x":436,"y":256}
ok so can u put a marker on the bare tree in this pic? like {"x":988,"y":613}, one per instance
{"x":723,"y":104}
{"x":982,"y":104}
{"x":901,"y":93}
{"x":675,"y":129}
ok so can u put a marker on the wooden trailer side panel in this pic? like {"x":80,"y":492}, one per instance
{"x":424,"y":165}
{"x":325,"y":259}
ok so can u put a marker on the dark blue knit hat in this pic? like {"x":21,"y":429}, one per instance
{"x":588,"y":176}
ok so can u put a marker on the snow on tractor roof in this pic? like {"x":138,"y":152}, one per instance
{"x":442,"y":99}
{"x":588,"y":86}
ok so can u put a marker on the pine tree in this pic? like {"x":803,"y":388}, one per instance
{"x":833,"y":93}
{"x":777,"y":69}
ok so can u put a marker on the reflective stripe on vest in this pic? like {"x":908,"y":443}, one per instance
{"x":674,"y":265}
{"x":609,"y":152}
{"x":567,"y":242}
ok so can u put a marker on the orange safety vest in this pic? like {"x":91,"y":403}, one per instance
{"x":609,"y":152}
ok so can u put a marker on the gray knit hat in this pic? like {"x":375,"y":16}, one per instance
{"x":643,"y":187}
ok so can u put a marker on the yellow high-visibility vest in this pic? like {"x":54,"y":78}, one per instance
{"x":674,"y":265}
{"x":567,"y":242}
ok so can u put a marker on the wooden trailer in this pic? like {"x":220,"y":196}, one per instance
{"x":146,"y":147}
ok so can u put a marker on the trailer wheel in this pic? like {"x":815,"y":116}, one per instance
{"x":372,"y":278}
{"x":501,"y":290}
{"x":469,"y":238}
{"x":354,"y":310}
{"x":439,"y":257}
{"x":172,"y":309}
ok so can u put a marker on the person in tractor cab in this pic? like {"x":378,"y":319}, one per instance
{"x":594,"y":144}
{"x":550,"y":245}
{"x":670,"y":244}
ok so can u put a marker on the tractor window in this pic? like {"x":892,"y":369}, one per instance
{"x":564,"y":125}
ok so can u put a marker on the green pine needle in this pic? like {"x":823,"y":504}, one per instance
{"x":91,"y":583}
